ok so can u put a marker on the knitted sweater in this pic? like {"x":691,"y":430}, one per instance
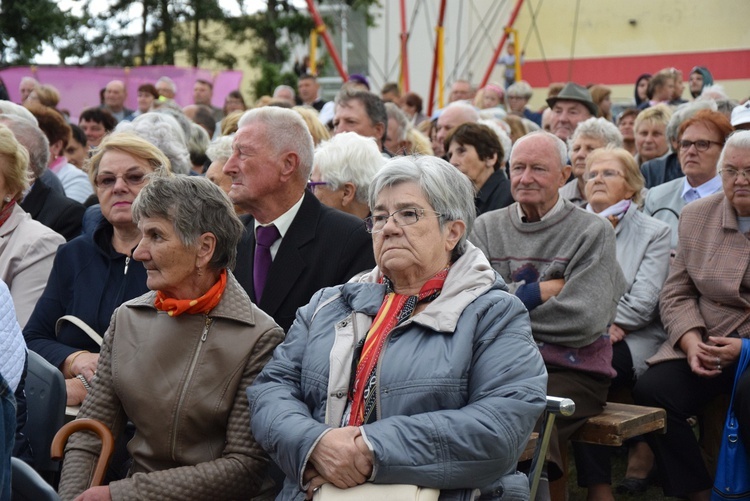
{"x":571,"y":244}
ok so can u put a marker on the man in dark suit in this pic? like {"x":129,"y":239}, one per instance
{"x":313,"y":246}
{"x":44,"y":204}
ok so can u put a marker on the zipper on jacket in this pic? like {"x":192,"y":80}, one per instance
{"x":127,"y":262}
{"x":185,"y":387}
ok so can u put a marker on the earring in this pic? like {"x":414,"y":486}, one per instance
{"x":7,"y":199}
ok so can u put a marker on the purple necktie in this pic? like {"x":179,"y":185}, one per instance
{"x":265,"y":237}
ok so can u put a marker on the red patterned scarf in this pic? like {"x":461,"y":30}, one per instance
{"x":203,"y":304}
{"x":6,"y":212}
{"x":395,"y":309}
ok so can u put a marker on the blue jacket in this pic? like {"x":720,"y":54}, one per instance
{"x":461,"y":385}
{"x":89,"y":279}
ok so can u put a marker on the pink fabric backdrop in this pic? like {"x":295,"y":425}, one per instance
{"x":79,"y":87}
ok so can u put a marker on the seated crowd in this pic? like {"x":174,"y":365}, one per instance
{"x":263,"y":301}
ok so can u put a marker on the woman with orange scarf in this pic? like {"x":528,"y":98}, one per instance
{"x":176,"y":361}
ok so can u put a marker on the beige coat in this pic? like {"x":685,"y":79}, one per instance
{"x":708,"y":287}
{"x":27,"y":251}
{"x":181,"y":381}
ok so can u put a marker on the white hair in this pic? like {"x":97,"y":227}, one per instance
{"x":714,"y":92}
{"x":285,"y":130}
{"x":502,"y":135}
{"x":164,"y":132}
{"x":737,"y":139}
{"x":221,"y":149}
{"x":468,"y":111}
{"x":29,"y":79}
{"x":169,"y":82}
{"x":394,"y":112}
{"x":349,"y":158}
{"x":596,"y":128}
{"x":559,"y":144}
{"x":8,"y":108}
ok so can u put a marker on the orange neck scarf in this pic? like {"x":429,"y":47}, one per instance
{"x":203,"y":304}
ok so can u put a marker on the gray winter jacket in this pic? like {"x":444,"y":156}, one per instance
{"x":461,"y":385}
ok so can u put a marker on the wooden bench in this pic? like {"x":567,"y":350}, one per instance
{"x":617,"y":423}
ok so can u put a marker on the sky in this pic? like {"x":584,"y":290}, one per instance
{"x":49,"y":56}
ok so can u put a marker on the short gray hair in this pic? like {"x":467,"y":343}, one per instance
{"x":737,"y":139}
{"x":195,"y":206}
{"x":285,"y":131}
{"x":519,"y":89}
{"x":502,"y":136}
{"x":164,"y":132}
{"x":559,"y":144}
{"x":221,"y":149}
{"x":33,"y":139}
{"x":169,"y":82}
{"x":9,"y":108}
{"x":596,"y":128}
{"x":198,"y":141}
{"x":682,"y":113}
{"x":394,"y":112}
{"x":468,"y":111}
{"x":349,"y":158}
{"x":286,"y":88}
{"x":449,"y":192}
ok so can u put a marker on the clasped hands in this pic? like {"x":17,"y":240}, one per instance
{"x":709,"y":359}
{"x":341,"y":458}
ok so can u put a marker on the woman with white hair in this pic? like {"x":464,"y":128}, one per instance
{"x":590,"y":135}
{"x":164,"y":132}
{"x":343,"y":168}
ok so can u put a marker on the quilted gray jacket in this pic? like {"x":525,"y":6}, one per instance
{"x":461,"y":385}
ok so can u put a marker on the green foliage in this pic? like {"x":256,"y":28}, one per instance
{"x":25,"y":25}
{"x":270,"y":78}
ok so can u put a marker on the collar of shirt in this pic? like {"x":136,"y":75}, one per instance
{"x":282,"y":223}
{"x":554,"y":210}
{"x":57,"y":164}
{"x":707,"y":188}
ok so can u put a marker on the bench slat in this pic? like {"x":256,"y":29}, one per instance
{"x":619,"y":422}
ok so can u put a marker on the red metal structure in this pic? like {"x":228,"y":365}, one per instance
{"x":500,"y":45}
{"x":436,"y":59}
{"x":321,"y":27}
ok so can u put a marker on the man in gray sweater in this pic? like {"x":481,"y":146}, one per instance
{"x":561,"y":262}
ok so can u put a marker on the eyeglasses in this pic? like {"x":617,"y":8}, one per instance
{"x":402,"y":217}
{"x":731,"y":174}
{"x":700,"y":145}
{"x":312,"y":184}
{"x":106,"y":181}
{"x":606,"y":174}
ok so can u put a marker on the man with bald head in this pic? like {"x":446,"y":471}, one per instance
{"x":114,"y":99}
{"x":293,"y":245}
{"x":452,"y":116}
{"x":561,"y":262}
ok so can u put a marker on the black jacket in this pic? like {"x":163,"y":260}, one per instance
{"x":323,"y":247}
{"x":53,"y":210}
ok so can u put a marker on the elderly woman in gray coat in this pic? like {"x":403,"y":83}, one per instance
{"x":613,"y":190}
{"x":422,"y":371}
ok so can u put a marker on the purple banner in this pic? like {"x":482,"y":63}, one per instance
{"x":79,"y":87}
